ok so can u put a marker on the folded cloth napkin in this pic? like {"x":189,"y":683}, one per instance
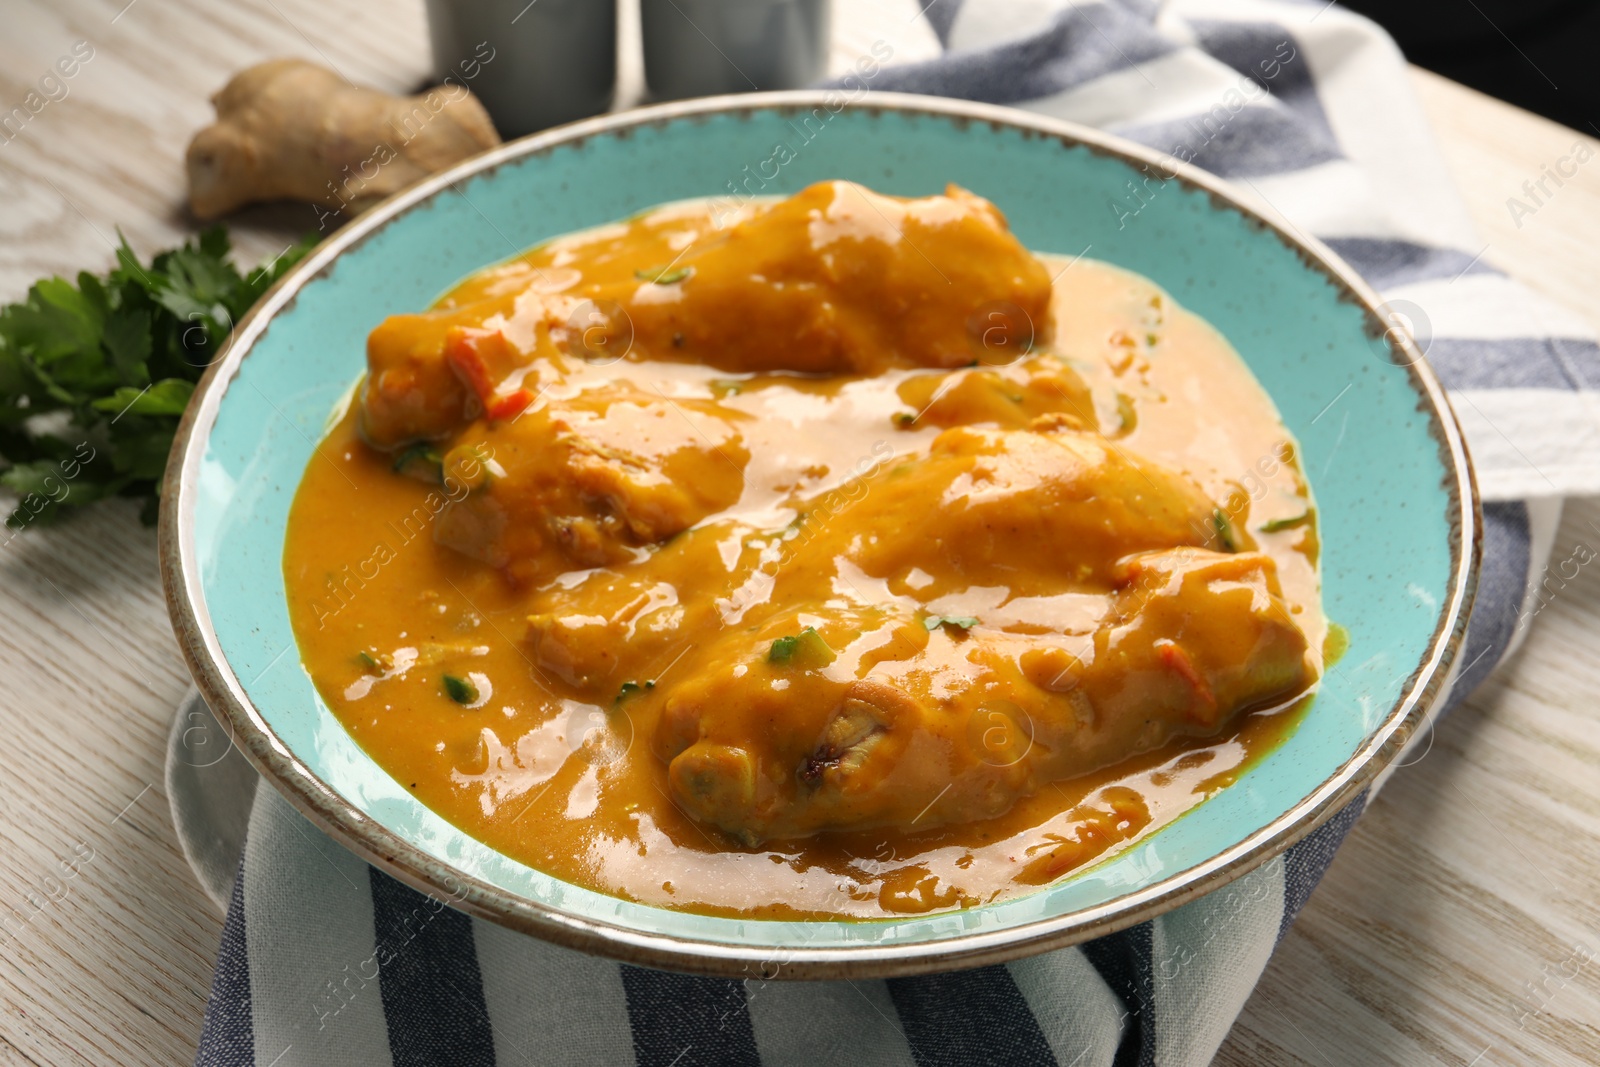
{"x":327,"y":961}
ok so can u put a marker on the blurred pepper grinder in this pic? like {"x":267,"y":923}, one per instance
{"x":539,"y":63}
{"x":533,"y":63}
{"x":703,"y":47}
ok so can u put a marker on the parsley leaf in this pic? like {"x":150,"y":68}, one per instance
{"x":1286,"y":524}
{"x":461,"y":690}
{"x":663,"y":276}
{"x":805,"y":650}
{"x":94,"y":375}
{"x":1224,"y":528}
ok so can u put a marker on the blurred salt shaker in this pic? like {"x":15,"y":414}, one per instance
{"x":704,"y":47}
{"x":532,"y":64}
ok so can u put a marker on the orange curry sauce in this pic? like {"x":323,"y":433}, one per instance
{"x":837,"y":558}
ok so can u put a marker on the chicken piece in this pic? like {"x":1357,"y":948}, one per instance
{"x":981,"y":504}
{"x":287,"y":129}
{"x":834,"y":279}
{"x":1198,"y":635}
{"x":1066,"y":505}
{"x":1012,"y":397}
{"x":583,"y":482}
{"x":410,"y":392}
{"x":580,"y":632}
{"x":429,"y":375}
{"x":840,"y":279}
{"x":962,"y":727}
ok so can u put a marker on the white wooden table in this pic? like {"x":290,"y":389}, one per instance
{"x":1445,"y":932}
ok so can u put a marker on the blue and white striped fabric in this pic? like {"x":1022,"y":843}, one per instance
{"x":326,"y":961}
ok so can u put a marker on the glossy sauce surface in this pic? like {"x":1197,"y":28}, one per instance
{"x":862,"y":626}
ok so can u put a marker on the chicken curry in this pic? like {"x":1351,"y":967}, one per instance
{"x":836,"y":557}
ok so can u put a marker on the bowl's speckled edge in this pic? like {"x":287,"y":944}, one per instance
{"x":380,"y":846}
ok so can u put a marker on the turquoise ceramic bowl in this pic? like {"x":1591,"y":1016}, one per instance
{"x":1398,"y":506}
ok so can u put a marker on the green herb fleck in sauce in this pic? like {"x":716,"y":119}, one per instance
{"x":663,"y":276}
{"x":1224,"y":528}
{"x":805,"y":650}
{"x":461,"y":690}
{"x":960,"y":622}
{"x":1286,"y":524}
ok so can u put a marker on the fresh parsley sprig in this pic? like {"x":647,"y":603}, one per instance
{"x":94,"y":376}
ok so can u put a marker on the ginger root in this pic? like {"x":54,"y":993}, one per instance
{"x":287,"y":129}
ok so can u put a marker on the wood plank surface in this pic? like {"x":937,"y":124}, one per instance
{"x":1445,"y":931}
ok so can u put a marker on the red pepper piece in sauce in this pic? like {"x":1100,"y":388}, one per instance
{"x":464,"y":351}
{"x":1174,"y":657}
{"x":468,"y":350}
{"x":509,"y":406}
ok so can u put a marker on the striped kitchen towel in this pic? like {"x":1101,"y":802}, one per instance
{"x":1307,"y":107}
